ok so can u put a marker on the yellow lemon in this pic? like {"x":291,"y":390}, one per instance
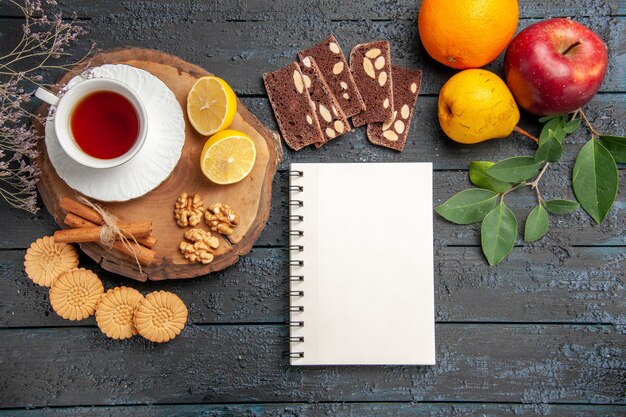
{"x":228,"y":157}
{"x":211,"y":105}
{"x":476,"y":105}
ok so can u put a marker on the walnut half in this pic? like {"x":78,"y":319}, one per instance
{"x":188,"y":210}
{"x":202,"y":248}
{"x":221,"y":218}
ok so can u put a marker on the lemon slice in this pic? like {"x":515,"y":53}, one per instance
{"x":227,"y":157}
{"x":211,"y":105}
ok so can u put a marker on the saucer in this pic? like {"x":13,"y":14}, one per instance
{"x":155,"y":160}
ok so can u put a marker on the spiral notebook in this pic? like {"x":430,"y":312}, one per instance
{"x":361,"y":264}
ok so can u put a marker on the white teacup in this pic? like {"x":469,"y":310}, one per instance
{"x":65,"y":105}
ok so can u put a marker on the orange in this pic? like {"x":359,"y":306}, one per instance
{"x":466,"y":33}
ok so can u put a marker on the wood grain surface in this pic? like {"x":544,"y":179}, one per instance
{"x":251,"y":197}
{"x":238,"y":363}
{"x":383,"y":409}
{"x":542,"y":334}
{"x":533,"y":285}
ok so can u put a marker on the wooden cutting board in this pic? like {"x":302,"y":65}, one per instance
{"x":250,"y":198}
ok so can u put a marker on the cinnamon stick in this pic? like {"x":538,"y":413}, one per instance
{"x":143,"y":254}
{"x":73,"y":206}
{"x":79,"y":209}
{"x":148,"y":241}
{"x":74,"y":220}
{"x":92,"y":234}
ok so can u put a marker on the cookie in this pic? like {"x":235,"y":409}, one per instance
{"x":46,"y":259}
{"x":160,"y":316}
{"x":292,"y":103}
{"x":74,"y":294}
{"x":331,"y":118}
{"x":394,"y":132}
{"x":370,"y":64}
{"x":115,"y":312}
{"x":334,"y":67}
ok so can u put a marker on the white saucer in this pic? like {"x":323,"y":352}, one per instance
{"x":152,"y":164}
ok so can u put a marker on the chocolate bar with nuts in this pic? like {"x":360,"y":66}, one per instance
{"x":291,"y":102}
{"x":330,"y":116}
{"x":393,"y":133}
{"x":370,"y":64}
{"x":336,"y":72}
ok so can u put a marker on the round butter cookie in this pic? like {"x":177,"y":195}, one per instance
{"x":45,"y":260}
{"x":74,"y":294}
{"x":115,"y":311}
{"x":161,"y":316}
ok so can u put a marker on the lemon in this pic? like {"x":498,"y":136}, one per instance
{"x":227,"y":157}
{"x":211,"y":105}
{"x":476,"y":105}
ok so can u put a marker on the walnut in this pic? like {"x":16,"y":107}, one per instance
{"x":202,"y":248}
{"x":188,"y":210}
{"x":199,"y":235}
{"x":196,"y":252}
{"x":221,"y":218}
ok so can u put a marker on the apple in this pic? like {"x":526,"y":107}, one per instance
{"x":555,"y":66}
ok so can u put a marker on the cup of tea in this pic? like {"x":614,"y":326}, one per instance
{"x":99,"y":122}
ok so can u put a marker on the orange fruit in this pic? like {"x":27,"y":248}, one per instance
{"x":466,"y":33}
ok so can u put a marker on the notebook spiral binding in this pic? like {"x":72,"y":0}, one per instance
{"x":295,"y":248}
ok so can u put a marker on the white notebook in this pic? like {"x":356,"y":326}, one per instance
{"x":361,"y":264}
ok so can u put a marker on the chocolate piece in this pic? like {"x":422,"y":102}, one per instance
{"x":370,"y":64}
{"x":331,"y":118}
{"x":291,"y":102}
{"x":393,"y":133}
{"x":334,"y":67}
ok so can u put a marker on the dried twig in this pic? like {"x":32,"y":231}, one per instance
{"x":43,"y":41}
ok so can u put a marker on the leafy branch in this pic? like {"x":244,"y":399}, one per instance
{"x":594,"y":180}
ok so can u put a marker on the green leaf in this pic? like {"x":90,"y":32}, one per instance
{"x":571,"y":126}
{"x":516,"y":169}
{"x":479,"y":177}
{"x":553,"y":124}
{"x":561,"y":206}
{"x":617,"y":146}
{"x":548,"y":118}
{"x":536,"y":224}
{"x":560,"y":134}
{"x":545,"y":138}
{"x":549,"y":150}
{"x":468,"y":206}
{"x":498,"y":233}
{"x":595,"y":180}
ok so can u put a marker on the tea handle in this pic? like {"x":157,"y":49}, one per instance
{"x":47,"y":96}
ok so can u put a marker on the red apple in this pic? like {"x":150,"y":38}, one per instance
{"x":555,"y":66}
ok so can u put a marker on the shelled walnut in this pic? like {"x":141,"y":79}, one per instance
{"x":202,"y":248}
{"x":188,"y":210}
{"x":221,"y":218}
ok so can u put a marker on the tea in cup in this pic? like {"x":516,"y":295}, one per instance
{"x":99,"y":122}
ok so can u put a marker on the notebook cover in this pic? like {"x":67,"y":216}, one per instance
{"x":366,"y":261}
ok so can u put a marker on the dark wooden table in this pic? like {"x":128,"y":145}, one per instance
{"x":541,"y":334}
